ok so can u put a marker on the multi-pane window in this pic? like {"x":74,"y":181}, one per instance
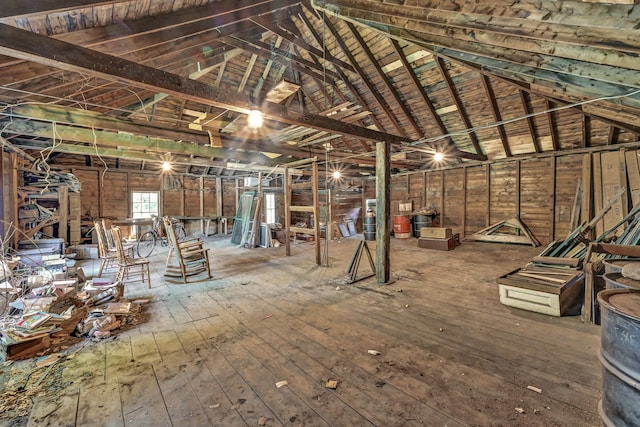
{"x":270,"y":207}
{"x":144,"y":204}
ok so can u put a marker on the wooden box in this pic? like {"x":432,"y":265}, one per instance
{"x":436,"y":232}
{"x":552,"y":298}
{"x":439,"y":244}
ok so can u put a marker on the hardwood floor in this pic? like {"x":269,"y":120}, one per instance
{"x":212,"y":351}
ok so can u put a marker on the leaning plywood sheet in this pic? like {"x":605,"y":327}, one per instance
{"x":614,"y":177}
{"x":511,"y":230}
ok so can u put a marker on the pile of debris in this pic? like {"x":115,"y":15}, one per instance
{"x":45,"y":313}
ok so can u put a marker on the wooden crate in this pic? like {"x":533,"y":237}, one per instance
{"x":551,"y":298}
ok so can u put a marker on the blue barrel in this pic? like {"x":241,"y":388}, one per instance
{"x":620,"y":356}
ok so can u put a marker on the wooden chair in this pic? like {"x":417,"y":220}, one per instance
{"x":187,"y":258}
{"x":129,"y":266}
{"x":108,"y":258}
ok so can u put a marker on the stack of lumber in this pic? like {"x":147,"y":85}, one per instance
{"x":50,"y":181}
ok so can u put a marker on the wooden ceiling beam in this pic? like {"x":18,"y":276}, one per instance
{"x":418,"y":86}
{"x":34,"y":47}
{"x":363,"y":77}
{"x":458,"y":103}
{"x":267,"y":23}
{"x":524,"y":98}
{"x":392,"y":90}
{"x":344,"y":77}
{"x":16,"y":9}
{"x":495,"y":110}
{"x":113,"y":139}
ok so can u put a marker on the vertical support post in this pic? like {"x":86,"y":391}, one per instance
{"x":8,"y":196}
{"x":219,"y":196}
{"x":383,"y":209}
{"x":464,"y":202}
{"x":442,"y":187}
{"x":201,"y":199}
{"x":552,"y":201}
{"x":287,"y":212}
{"x":518,"y":171}
{"x":487,"y":220}
{"x":316,"y":213}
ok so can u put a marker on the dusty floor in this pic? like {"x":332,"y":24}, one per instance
{"x":212,"y":352}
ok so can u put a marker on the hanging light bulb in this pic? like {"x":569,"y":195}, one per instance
{"x":166,"y":166}
{"x":336,"y":174}
{"x":255,"y":119}
{"x":438,"y":156}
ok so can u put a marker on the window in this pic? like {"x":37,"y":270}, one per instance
{"x":270,"y":207}
{"x":145,"y":204}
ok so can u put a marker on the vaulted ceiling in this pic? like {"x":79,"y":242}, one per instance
{"x":132,"y":83}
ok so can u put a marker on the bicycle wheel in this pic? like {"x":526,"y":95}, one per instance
{"x":146,"y":244}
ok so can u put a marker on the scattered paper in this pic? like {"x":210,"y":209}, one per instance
{"x":217,"y":405}
{"x":519,"y":410}
{"x":536,"y":389}
{"x":282,"y":383}
{"x":374,"y":352}
{"x":262,"y":421}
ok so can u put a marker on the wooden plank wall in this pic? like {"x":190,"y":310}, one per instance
{"x":108,"y":194}
{"x":540,"y":190}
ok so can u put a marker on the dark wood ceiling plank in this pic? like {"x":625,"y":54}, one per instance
{"x":296,"y":62}
{"x":595,"y":32}
{"x":392,"y":90}
{"x":418,"y":86}
{"x":344,"y":77}
{"x":267,"y":23}
{"x":524,"y":98}
{"x":553,"y":129}
{"x":17,"y":9}
{"x":439,"y":62}
{"x":495,"y":111}
{"x":360,"y":72}
{"x":37,"y":48}
{"x":612,"y":138}
{"x":586,"y":131}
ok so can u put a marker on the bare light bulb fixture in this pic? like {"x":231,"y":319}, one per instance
{"x":336,"y":174}
{"x":438,"y":156}
{"x":166,"y":166}
{"x":255,"y":119}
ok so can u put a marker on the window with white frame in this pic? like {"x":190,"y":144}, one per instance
{"x":144,"y":204}
{"x":270,"y":207}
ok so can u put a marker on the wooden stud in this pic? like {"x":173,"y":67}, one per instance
{"x":383,"y":212}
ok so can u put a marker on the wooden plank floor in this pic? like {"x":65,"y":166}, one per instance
{"x":212,"y":351}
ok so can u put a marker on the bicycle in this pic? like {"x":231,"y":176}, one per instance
{"x":147,"y":241}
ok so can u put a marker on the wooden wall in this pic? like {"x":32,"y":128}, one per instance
{"x":540,"y":190}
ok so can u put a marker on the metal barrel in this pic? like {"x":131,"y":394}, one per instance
{"x":369,"y":227}
{"x":402,"y":226}
{"x":615,"y":265}
{"x":618,"y":281}
{"x":420,"y":221}
{"x":620,"y":356}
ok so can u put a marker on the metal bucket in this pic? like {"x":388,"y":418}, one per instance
{"x":620,"y":357}
{"x":420,"y":221}
{"x":369,"y":227}
{"x":618,"y":281}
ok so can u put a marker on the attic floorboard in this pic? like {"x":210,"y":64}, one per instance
{"x":211,"y":352}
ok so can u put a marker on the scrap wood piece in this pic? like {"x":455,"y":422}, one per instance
{"x":511,"y":230}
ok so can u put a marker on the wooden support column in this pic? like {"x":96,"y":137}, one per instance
{"x":487,"y":220}
{"x":518,"y":170}
{"x":219,"y":196}
{"x":552,"y":209}
{"x":8,"y":195}
{"x":201,"y":199}
{"x":442,"y":198}
{"x":464,"y":203}
{"x":383,"y":211}
{"x":316,"y":215}
{"x":287,"y":213}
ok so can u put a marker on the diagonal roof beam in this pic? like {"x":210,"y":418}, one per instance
{"x":267,"y":23}
{"x":456,"y":99}
{"x":392,"y":90}
{"x":524,"y":98}
{"x":332,"y":29}
{"x":34,"y":47}
{"x":497,"y":117}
